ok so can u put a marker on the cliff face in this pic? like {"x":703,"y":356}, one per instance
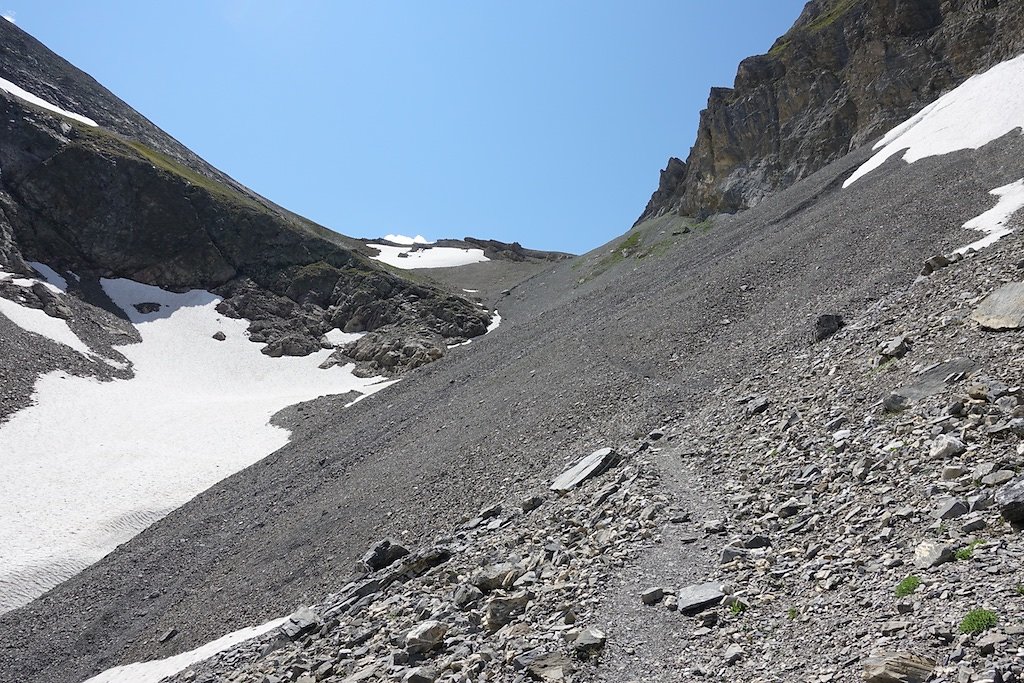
{"x":845,"y":73}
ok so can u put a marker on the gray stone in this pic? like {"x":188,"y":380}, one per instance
{"x":590,"y":466}
{"x":896,"y":347}
{"x":589,"y":641}
{"x":502,"y":610}
{"x":466,"y":595}
{"x":827,"y":325}
{"x":998,"y":477}
{"x":732,"y":552}
{"x":1003,"y":309}
{"x":733,"y":654}
{"x":300,"y":623}
{"x":946,"y":446}
{"x":930,"y":553}
{"x":652,"y":596}
{"x":757,"y":406}
{"x":426,"y":636}
{"x":383,"y":554}
{"x":219,"y":336}
{"x":1010,"y":499}
{"x":421,"y":674}
{"x":696,"y":597}
{"x":950,"y":508}
{"x":898,"y":667}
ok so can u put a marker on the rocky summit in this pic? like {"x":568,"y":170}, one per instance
{"x":774,"y":432}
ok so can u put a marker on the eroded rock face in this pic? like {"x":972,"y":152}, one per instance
{"x":847,"y":72}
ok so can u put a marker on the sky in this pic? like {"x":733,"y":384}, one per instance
{"x":533,"y":121}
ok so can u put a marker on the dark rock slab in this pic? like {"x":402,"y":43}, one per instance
{"x":1010,"y":499}
{"x":696,"y":597}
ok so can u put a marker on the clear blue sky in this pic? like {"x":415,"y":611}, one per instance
{"x":544,"y":122}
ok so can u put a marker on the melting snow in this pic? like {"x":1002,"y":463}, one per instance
{"x":339,"y":338}
{"x":25,"y":95}
{"x":34,"y":320}
{"x":158,"y":669}
{"x":91,"y":463}
{"x":432,"y":257}
{"x":53,"y":280}
{"x":993,"y":222}
{"x":495,"y":321}
{"x":402,"y":239}
{"x":983,"y":108}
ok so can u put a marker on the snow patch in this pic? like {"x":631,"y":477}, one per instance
{"x":26,"y":96}
{"x":54,"y":282}
{"x":471,"y":291}
{"x":432,"y":257}
{"x":993,"y":222}
{"x":34,"y":320}
{"x":90,"y":464}
{"x":158,"y":669}
{"x":339,"y":338}
{"x":983,"y":108}
{"x":495,"y":321}
{"x":402,"y":239}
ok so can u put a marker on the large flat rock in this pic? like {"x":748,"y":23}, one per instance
{"x":1003,"y":309}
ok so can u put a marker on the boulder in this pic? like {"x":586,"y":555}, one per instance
{"x":929,"y":553}
{"x":383,"y":554}
{"x":1010,"y":499}
{"x":426,"y":636}
{"x":300,"y":623}
{"x":827,"y":325}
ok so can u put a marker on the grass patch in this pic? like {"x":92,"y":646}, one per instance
{"x":967,"y":552}
{"x":978,"y":620}
{"x":907,"y":586}
{"x":737,"y":608}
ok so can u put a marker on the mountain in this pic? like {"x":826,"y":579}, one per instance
{"x":112,"y":196}
{"x":844,"y":74}
{"x":813,"y":407}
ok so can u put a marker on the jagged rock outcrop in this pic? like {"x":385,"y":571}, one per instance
{"x":123,"y":199}
{"x":845,"y":73}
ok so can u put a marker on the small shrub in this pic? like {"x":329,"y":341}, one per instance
{"x":978,"y":620}
{"x":792,"y":613}
{"x":907,"y":586}
{"x":737,"y":608}
{"x":1020,"y":589}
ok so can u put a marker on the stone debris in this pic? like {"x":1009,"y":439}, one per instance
{"x":850,"y":512}
{"x":508,"y":596}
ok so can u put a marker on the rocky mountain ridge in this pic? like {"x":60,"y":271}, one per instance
{"x":844,"y":74}
{"x":123,"y":199}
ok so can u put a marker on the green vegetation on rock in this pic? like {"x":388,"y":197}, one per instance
{"x":907,"y":586}
{"x":978,"y":620}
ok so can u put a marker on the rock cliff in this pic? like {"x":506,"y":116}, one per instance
{"x":844,"y":74}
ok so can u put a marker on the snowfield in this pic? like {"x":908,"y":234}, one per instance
{"x":983,"y":108}
{"x":26,"y":96}
{"x":432,"y":257}
{"x":89,"y":464}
